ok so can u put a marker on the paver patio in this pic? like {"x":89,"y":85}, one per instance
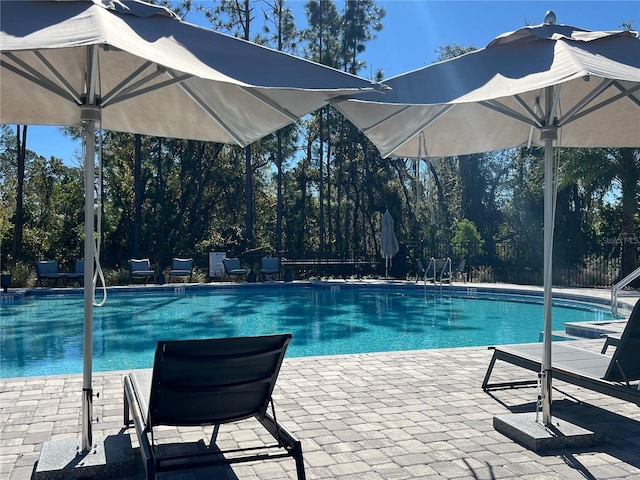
{"x":393,"y":415}
{"x":398,"y":415}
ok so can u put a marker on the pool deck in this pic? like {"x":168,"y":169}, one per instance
{"x":393,"y":415}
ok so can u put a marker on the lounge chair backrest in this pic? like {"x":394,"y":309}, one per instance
{"x":79,"y":266}
{"x":47,"y":267}
{"x":139,"y":265}
{"x":214,"y":381}
{"x":270,"y":263}
{"x":231,"y":264}
{"x":182,"y":264}
{"x":625,"y":363}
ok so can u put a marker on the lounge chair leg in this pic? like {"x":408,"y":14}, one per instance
{"x":283,"y":435}
{"x":485,"y":382}
{"x":297,"y":455}
{"x":127,"y":416}
{"x":214,"y":435}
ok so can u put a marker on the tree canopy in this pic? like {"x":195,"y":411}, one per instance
{"x":317,"y":188}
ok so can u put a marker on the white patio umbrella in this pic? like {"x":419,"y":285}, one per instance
{"x":533,"y":86}
{"x":388,"y":241}
{"x":135,"y":67}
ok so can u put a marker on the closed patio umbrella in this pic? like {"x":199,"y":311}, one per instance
{"x":134,"y":67}
{"x":388,"y":242}
{"x":534,"y":86}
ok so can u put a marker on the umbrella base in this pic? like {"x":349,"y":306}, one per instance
{"x":524,"y":429}
{"x":110,"y":457}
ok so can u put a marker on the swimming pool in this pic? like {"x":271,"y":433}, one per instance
{"x":43,"y":335}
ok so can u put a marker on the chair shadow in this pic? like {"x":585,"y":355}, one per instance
{"x":222,"y":471}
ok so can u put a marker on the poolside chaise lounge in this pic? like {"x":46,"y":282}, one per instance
{"x":197,"y":383}
{"x":610,"y":375}
{"x":140,"y":269}
{"x":48,"y":270}
{"x":181,"y":267}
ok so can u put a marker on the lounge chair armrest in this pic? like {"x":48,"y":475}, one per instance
{"x":135,"y":405}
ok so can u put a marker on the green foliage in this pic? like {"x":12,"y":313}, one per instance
{"x":453,"y":50}
{"x":467,"y":235}
{"x":115,"y":276}
{"x":483,"y":274}
{"x":22,"y":274}
{"x":318,"y":185}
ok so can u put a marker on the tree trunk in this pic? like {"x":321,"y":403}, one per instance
{"x":629,"y":178}
{"x":19,"y":217}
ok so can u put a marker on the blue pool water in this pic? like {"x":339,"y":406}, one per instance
{"x":43,"y":335}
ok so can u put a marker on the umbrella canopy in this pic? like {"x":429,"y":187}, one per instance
{"x":135,"y":67}
{"x":388,"y":241}
{"x":495,"y":96}
{"x":151,"y":73}
{"x":533,"y":86}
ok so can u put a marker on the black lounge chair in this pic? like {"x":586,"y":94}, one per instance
{"x":460,"y":273}
{"x":610,"y":375}
{"x":77,"y":275}
{"x":209,"y":382}
{"x":181,"y":267}
{"x":232,"y":268}
{"x":48,"y":270}
{"x":140,"y":269}
{"x":270,"y":267}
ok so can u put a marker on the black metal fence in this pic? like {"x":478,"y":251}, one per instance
{"x":507,"y":265}
{"x":499,"y":263}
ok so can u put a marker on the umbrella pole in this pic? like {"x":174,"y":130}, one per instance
{"x":548,"y":135}
{"x":87,"y":350}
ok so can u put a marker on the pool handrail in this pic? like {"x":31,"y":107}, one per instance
{"x":619,"y":286}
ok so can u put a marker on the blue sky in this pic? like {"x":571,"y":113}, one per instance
{"x":413,"y":30}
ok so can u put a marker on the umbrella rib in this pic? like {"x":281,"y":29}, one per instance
{"x":623,"y":93}
{"x":627,"y":93}
{"x":532,"y":113}
{"x":444,"y":109}
{"x":385,"y":119}
{"x":208,"y":110}
{"x":66,"y":85}
{"x":271,"y":104}
{"x":509,"y":112}
{"x":569,"y":116}
{"x":129,"y":92}
{"x":127,"y":85}
{"x":30,"y":74}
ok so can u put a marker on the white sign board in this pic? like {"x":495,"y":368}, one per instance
{"x":216,"y":269}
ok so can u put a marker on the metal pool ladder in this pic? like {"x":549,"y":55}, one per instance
{"x":619,"y":286}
